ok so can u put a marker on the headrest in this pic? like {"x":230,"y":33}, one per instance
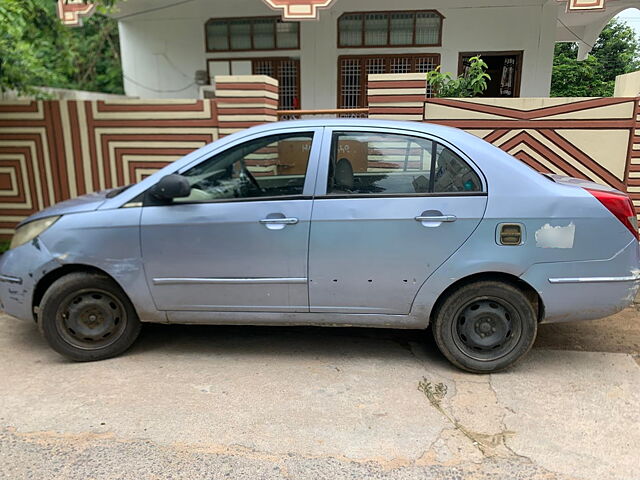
{"x":343,"y":175}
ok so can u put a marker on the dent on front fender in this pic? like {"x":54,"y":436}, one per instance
{"x":108,"y":240}
{"x":23,"y":267}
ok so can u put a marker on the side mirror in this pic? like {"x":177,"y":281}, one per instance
{"x":171,"y":186}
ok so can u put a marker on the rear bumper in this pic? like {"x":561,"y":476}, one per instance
{"x":587,"y":290}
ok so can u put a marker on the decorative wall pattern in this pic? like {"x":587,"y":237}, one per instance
{"x":54,"y":150}
{"x":585,"y":138}
{"x":583,"y":5}
{"x":299,"y":9}
{"x":71,"y":12}
{"x":633,"y":170}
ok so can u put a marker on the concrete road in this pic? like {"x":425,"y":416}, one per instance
{"x":309,"y":403}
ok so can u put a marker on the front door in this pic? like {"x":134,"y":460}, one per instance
{"x":239,"y":241}
{"x":395,"y":207}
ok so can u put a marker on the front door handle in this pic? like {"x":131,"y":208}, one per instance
{"x":279,"y":221}
{"x":436,"y":218}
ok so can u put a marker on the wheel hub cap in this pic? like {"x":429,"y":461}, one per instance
{"x":91,"y":319}
{"x":484,"y":325}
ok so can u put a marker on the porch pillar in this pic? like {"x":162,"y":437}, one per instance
{"x":244,"y":101}
{"x":397,"y":96}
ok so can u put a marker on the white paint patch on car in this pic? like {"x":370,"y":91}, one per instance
{"x":556,"y":237}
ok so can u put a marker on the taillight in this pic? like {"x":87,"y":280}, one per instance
{"x":620,"y":206}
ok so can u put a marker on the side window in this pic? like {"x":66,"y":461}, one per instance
{"x":271,"y":166}
{"x":381,"y":163}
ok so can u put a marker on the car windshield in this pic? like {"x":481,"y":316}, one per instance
{"x":117,"y":191}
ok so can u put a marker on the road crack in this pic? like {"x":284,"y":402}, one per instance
{"x":487,"y":444}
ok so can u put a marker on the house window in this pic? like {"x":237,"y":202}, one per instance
{"x":258,"y":33}
{"x":287,"y":72}
{"x":354,"y":72}
{"x":390,"y":29}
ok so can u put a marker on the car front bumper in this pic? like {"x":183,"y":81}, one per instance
{"x":20,"y":270}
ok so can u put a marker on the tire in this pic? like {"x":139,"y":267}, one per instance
{"x":485,"y":326}
{"x":87,"y":317}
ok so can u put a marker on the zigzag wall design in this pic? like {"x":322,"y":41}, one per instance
{"x":596,"y":139}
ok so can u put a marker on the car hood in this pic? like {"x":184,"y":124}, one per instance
{"x":84,"y":203}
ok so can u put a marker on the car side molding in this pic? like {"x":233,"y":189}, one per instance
{"x":630,"y":278}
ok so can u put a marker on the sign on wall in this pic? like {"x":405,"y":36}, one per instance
{"x":299,"y":9}
{"x":71,"y":12}
{"x":583,"y":5}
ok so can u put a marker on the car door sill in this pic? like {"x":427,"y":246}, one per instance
{"x":297,"y":319}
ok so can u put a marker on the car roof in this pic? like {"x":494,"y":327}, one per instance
{"x":361,"y":122}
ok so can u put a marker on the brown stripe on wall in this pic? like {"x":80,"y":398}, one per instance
{"x":31,"y":107}
{"x":527,"y":114}
{"x":247,"y":86}
{"x":103,"y":107}
{"x":76,"y":146}
{"x":372,"y":84}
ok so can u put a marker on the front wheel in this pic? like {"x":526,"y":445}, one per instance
{"x":87,"y":316}
{"x":485,"y":326}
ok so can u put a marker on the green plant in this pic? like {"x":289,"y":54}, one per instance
{"x":4,"y":246}
{"x":36,"y":50}
{"x":471,"y":84}
{"x":617,"y":51}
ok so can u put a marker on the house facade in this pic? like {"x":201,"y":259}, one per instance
{"x":321,"y":56}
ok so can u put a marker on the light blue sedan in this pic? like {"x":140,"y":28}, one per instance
{"x":332,"y":223}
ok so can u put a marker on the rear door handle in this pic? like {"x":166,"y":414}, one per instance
{"x":279,"y":221}
{"x":436,"y":218}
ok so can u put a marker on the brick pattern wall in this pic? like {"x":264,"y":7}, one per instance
{"x":633,"y":167}
{"x":397,"y":96}
{"x":245,"y":101}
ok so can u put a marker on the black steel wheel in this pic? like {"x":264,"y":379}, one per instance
{"x":91,"y":319}
{"x":485,"y":326}
{"x":87,"y":316}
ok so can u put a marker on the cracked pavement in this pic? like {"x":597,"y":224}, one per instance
{"x":258,"y":402}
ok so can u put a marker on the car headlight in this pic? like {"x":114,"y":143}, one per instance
{"x":31,"y":230}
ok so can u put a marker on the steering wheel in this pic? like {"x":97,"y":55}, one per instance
{"x":251,"y":178}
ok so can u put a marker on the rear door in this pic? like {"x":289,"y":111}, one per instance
{"x":390,"y":208}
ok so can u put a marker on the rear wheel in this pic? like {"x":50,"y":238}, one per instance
{"x":485,"y":326}
{"x":87,"y":316}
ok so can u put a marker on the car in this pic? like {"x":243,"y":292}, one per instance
{"x":333,"y":223}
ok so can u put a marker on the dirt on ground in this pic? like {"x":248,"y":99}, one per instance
{"x":218,"y":402}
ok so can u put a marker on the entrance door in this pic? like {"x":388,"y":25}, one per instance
{"x":239,"y":241}
{"x":504,"y":68}
{"x":394,"y":208}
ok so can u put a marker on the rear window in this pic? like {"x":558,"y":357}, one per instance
{"x":365,"y":163}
